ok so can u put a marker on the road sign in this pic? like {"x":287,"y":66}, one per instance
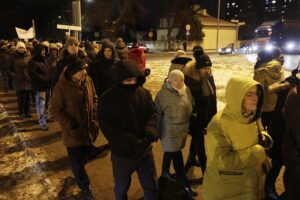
{"x":68,"y":27}
{"x":188,"y":27}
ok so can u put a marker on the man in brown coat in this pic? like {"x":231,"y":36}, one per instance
{"x":74,"y":105}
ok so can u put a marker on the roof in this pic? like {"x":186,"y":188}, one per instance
{"x":212,"y":21}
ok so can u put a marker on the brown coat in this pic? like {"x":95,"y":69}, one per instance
{"x":18,"y":71}
{"x":291,"y":146}
{"x":74,"y":106}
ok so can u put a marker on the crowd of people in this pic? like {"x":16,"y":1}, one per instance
{"x":89,"y":86}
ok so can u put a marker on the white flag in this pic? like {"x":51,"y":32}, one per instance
{"x":23,"y":34}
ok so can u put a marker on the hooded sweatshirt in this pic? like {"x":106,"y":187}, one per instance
{"x":101,"y":69}
{"x":234,"y":157}
{"x":39,"y":70}
{"x":126,"y":113}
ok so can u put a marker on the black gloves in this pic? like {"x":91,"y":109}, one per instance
{"x":141,"y":146}
{"x":293,"y":80}
{"x":265,"y":141}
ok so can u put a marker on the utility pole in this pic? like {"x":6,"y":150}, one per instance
{"x":218,"y":25}
{"x":76,"y":17}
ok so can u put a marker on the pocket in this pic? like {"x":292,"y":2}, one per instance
{"x":236,"y":183}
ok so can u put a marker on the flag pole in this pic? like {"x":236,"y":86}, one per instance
{"x":33,"y":25}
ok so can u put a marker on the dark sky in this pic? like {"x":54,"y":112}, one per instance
{"x":45,"y":13}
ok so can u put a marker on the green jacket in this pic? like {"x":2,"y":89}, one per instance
{"x":268,"y":74}
{"x":234,"y":157}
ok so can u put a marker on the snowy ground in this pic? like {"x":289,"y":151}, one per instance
{"x":224,"y":67}
{"x":33,"y":164}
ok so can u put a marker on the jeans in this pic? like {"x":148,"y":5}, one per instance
{"x":42,"y":99}
{"x":123,"y":168}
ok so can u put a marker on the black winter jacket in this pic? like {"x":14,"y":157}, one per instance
{"x":39,"y":71}
{"x":127,"y":115}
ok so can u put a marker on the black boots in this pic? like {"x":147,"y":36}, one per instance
{"x":190,"y":191}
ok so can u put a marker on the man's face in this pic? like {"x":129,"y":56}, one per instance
{"x":80,"y":75}
{"x":73,"y":49}
{"x":205,"y":71}
{"x":130,"y":81}
{"x":54,"y":52}
{"x":107,"y":53}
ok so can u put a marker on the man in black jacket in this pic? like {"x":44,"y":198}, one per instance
{"x":128,"y":120}
{"x":40,"y":75}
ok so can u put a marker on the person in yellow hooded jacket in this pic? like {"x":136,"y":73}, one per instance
{"x":235,"y":145}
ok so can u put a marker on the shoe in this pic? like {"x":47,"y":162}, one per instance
{"x":190,"y":191}
{"x":169,"y":176}
{"x":88,"y":195}
{"x":271,"y":194}
{"x":50,"y":120}
{"x":44,"y":127}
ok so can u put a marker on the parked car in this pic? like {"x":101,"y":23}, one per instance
{"x":229,"y":49}
{"x":244,"y":48}
{"x":140,"y":45}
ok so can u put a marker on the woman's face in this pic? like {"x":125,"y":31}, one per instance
{"x":249,"y":104}
{"x":178,"y":83}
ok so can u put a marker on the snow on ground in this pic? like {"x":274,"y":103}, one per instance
{"x":224,"y":67}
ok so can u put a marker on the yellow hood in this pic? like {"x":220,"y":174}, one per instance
{"x":236,"y":89}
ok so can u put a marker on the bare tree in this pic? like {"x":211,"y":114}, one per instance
{"x":112,"y":15}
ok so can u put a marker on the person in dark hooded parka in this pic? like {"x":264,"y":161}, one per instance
{"x":128,"y":119}
{"x":291,"y":144}
{"x":100,"y":70}
{"x":40,"y":75}
{"x":276,"y":130}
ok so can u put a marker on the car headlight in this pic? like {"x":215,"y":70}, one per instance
{"x":228,"y":50}
{"x":290,"y":45}
{"x":254,"y":48}
{"x":219,"y":49}
{"x":269,"y":47}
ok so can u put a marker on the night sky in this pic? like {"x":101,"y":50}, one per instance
{"x":45,"y":13}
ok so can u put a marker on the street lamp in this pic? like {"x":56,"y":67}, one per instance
{"x":217,"y":43}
